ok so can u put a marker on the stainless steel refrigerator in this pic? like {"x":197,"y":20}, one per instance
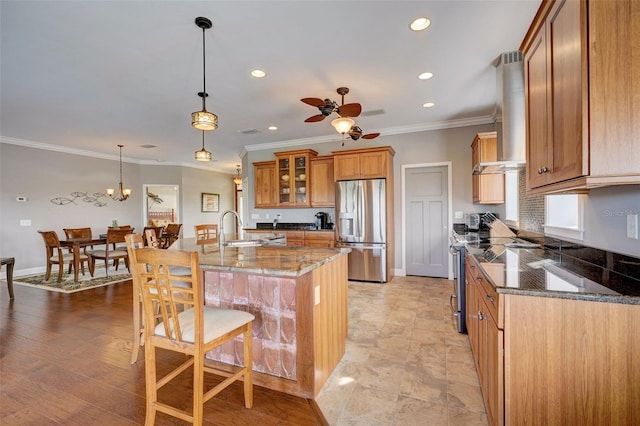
{"x":361,"y":226}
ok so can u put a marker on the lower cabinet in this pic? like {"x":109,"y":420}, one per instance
{"x":486,"y":341}
{"x":321,"y":238}
{"x":553,"y":360}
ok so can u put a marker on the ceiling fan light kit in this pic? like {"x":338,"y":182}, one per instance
{"x":123,"y":193}
{"x":344,"y":124}
{"x":204,"y":120}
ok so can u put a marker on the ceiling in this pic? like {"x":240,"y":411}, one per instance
{"x":85,"y":76}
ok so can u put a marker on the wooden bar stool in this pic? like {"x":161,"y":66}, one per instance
{"x":9,"y":261}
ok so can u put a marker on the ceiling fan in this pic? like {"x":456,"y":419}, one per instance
{"x":327,"y":106}
{"x":356,"y":133}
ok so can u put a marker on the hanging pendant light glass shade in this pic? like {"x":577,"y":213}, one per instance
{"x":204,"y":120}
{"x":237,"y":179}
{"x":123,"y":193}
{"x":343,"y":124}
{"x":203,"y":154}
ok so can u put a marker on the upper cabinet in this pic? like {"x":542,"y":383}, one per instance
{"x":293,"y":177}
{"x":487,"y":189}
{"x":266,"y":189}
{"x":367,"y":163}
{"x":323,"y":189}
{"x":582,"y":86}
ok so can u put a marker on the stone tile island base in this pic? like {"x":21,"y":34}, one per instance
{"x":300,"y":330}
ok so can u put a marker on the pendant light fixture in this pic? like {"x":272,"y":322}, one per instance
{"x":123,"y":193}
{"x":204,"y":120}
{"x":237,"y":179}
{"x":203,"y":154}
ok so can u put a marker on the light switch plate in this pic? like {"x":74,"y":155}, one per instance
{"x":25,"y":222}
{"x":458,"y":215}
{"x":632,"y":226}
{"x":255,"y":215}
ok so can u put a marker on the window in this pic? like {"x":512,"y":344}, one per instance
{"x":511,"y":198}
{"x":564,"y":216}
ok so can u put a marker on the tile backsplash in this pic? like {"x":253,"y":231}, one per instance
{"x":530,"y":207}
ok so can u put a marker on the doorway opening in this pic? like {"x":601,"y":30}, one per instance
{"x":160,"y":205}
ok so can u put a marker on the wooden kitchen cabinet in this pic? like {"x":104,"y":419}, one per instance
{"x":265,"y":185}
{"x":486,"y":340}
{"x":323,"y":188}
{"x":552,"y":360}
{"x":487,"y":189}
{"x":319,"y":239}
{"x":369,"y":163}
{"x":582,"y":85}
{"x":293,"y":174}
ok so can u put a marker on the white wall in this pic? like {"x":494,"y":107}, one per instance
{"x":41,"y":175}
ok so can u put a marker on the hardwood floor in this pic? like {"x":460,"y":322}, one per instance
{"x":65,"y":359}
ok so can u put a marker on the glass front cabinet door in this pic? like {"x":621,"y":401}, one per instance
{"x":293,"y":177}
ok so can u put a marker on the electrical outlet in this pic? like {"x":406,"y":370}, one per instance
{"x":458,"y":215}
{"x":632,"y":226}
{"x":266,"y":215}
{"x":255,"y":216}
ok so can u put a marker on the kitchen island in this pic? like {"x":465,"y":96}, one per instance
{"x":298,"y":296}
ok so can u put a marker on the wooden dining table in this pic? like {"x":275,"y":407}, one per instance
{"x":75,"y":244}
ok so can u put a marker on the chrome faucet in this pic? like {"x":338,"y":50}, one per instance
{"x":221,"y":227}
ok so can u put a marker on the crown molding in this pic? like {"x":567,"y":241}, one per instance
{"x":386,"y":131}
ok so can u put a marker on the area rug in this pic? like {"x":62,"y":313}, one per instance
{"x":67,"y":285}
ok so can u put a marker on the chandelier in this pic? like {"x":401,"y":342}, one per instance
{"x":204,"y":120}
{"x":237,"y":179}
{"x":203,"y":154}
{"x":123,"y":193}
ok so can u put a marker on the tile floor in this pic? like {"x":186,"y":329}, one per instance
{"x":404,"y":364}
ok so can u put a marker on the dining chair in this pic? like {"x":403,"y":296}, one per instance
{"x":71,"y":233}
{"x":114,"y":236}
{"x":151,"y":238}
{"x":171,"y":234}
{"x":206,"y":234}
{"x":157,"y":232}
{"x":122,"y":246}
{"x":56,"y":255}
{"x":193,"y":332}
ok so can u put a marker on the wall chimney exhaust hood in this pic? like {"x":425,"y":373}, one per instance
{"x":510,"y":117}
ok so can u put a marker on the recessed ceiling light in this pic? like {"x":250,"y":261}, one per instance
{"x":425,"y":75}
{"x":420,"y":24}
{"x":428,"y":104}
{"x":258,"y":73}
{"x":272,"y":127}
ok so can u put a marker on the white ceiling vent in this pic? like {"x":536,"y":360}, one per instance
{"x":372,"y":112}
{"x":249,"y":131}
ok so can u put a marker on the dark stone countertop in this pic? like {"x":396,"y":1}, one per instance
{"x":549,"y":273}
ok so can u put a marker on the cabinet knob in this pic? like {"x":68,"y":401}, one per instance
{"x":480,"y":316}
{"x":479,"y":279}
{"x":491,"y":299}
{"x":542,"y":170}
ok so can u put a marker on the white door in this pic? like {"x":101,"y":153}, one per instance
{"x":426,"y":210}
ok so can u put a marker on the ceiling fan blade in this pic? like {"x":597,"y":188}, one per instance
{"x":314,"y":118}
{"x":371,"y":136}
{"x":316,"y":102}
{"x":350,"y":110}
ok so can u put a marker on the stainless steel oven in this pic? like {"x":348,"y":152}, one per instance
{"x":458,"y":299}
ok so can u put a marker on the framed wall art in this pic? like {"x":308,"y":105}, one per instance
{"x":210,"y":202}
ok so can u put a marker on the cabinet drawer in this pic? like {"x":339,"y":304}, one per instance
{"x":490,"y":297}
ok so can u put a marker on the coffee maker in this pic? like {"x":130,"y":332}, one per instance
{"x":322,"y":220}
